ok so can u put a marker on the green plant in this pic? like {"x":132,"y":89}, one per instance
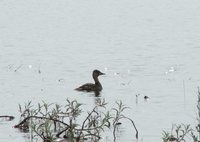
{"x":51,"y":121}
{"x":119,"y":115}
{"x":178,"y":133}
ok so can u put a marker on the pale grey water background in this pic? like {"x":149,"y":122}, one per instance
{"x":147,"y":47}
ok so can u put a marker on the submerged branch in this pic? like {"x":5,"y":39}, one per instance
{"x":10,"y":118}
{"x":38,"y":117}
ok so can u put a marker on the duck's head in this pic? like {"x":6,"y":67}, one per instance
{"x":96,"y":73}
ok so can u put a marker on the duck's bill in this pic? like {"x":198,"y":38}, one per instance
{"x":102,"y":73}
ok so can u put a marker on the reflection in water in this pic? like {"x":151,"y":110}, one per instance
{"x":97,"y":101}
{"x":97,"y":93}
{"x":119,"y":132}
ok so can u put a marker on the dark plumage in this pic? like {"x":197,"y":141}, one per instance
{"x":90,"y":86}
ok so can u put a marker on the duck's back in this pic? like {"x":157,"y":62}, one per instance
{"x":90,"y":87}
{"x":86,"y":87}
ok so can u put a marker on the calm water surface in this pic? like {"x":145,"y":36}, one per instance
{"x":147,"y":47}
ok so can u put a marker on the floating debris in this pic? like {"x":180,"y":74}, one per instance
{"x":146,"y":97}
{"x":118,"y":123}
{"x":171,"y":70}
{"x":7,"y":118}
{"x":61,"y":80}
{"x":18,"y":68}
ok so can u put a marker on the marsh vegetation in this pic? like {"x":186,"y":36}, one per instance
{"x":50,"y":122}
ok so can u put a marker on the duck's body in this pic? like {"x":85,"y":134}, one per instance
{"x":92,"y":86}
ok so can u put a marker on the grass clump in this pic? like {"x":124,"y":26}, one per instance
{"x":48,"y":122}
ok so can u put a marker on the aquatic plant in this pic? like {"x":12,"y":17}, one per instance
{"x":119,"y":115}
{"x":178,"y":133}
{"x":182,"y":132}
{"x":51,"y":121}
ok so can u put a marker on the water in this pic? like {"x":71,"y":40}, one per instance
{"x":146,"y":47}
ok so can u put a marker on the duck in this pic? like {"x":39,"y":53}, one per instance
{"x":96,"y":86}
